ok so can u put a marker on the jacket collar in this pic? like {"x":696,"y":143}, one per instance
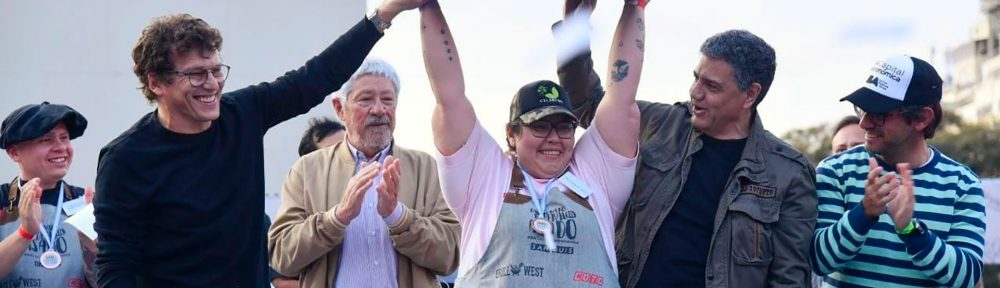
{"x":752,"y":160}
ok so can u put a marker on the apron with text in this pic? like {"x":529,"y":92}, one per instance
{"x":517,"y":256}
{"x":28,"y":272}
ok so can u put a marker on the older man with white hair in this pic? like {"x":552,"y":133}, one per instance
{"x":365,"y":212}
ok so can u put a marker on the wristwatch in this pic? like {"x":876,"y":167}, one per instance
{"x":380,"y":24}
{"x":914,"y":229}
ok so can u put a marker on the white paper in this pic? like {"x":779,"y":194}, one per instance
{"x":73,"y":206}
{"x":84,"y":221}
{"x":572,"y":38}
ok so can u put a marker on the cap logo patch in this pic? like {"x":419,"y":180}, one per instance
{"x":550,"y":93}
{"x":891,"y":77}
{"x":887,"y":70}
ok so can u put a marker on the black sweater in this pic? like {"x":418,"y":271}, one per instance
{"x":185,"y":210}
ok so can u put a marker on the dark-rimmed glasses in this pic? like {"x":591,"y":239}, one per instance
{"x":879,"y":118}
{"x":199,"y":76}
{"x":542,"y":129}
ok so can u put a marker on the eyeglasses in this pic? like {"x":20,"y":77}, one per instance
{"x":879,"y":118}
{"x":198,"y":77}
{"x":542,"y":129}
{"x":876,"y":118}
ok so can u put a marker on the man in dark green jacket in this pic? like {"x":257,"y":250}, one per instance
{"x":718,"y":200}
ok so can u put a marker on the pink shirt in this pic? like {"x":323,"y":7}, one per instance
{"x":474,"y":179}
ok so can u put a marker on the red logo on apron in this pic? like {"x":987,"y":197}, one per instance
{"x":588,"y":278}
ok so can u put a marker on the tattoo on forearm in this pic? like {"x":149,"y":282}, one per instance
{"x":621,"y":43}
{"x":621,"y":70}
{"x":642,"y":24}
{"x":639,"y":43}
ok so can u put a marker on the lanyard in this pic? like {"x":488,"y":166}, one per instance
{"x":535,"y":201}
{"x":50,"y":237}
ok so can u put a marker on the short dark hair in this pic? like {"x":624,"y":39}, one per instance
{"x":846,"y":121}
{"x":515,"y":129}
{"x":752,"y":59}
{"x":319,"y":128}
{"x":912,"y":113}
{"x":166,"y":37}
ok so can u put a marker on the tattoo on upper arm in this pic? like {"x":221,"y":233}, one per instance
{"x":446,"y":43}
{"x":639,"y":43}
{"x":621,"y":43}
{"x":448,"y":50}
{"x":642,"y":24}
{"x":621,"y":70}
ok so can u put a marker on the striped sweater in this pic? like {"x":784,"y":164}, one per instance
{"x":853,"y":251}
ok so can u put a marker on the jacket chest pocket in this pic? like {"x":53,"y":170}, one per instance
{"x":753,"y":218}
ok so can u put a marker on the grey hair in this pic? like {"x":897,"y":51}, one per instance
{"x":752,"y":59}
{"x":371,"y":66}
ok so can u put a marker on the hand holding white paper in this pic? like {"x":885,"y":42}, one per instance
{"x":84,"y":221}
{"x":572,"y":37}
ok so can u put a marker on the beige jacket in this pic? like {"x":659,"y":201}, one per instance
{"x":305,"y":241}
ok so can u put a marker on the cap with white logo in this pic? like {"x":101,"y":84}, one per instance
{"x":898,"y":81}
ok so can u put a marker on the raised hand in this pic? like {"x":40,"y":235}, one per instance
{"x":389,"y":188}
{"x":573,"y":5}
{"x":354,"y":196}
{"x":879,"y":190}
{"x":390,"y":8}
{"x":30,"y":207}
{"x":640,"y":3}
{"x":901,"y":207}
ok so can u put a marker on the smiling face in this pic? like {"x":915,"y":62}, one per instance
{"x":718,"y":107}
{"x":182,"y":107}
{"x":369,"y":113}
{"x":543,"y":157}
{"x":47,"y":157}
{"x":889,"y":133}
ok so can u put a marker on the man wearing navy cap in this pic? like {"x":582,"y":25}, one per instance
{"x":38,"y":250}
{"x":896,"y":211}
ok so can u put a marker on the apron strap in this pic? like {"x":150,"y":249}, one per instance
{"x":516,"y":178}
{"x":517,"y":184}
{"x":10,"y":213}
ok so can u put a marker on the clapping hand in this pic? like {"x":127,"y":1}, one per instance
{"x":389,"y":188}
{"x":879,"y":190}
{"x":901,"y":207}
{"x":354,"y":197}
{"x":30,"y":207}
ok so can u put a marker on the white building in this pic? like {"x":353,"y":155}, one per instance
{"x":973,"y":86}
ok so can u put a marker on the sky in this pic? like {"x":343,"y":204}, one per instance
{"x":77,"y":53}
{"x":824,"y":49}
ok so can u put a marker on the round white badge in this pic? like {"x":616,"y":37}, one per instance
{"x":540,"y":226}
{"x":50,"y":259}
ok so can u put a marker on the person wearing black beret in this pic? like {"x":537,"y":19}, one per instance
{"x":38,"y":249}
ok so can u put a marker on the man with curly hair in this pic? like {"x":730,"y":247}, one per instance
{"x":183,"y":188}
